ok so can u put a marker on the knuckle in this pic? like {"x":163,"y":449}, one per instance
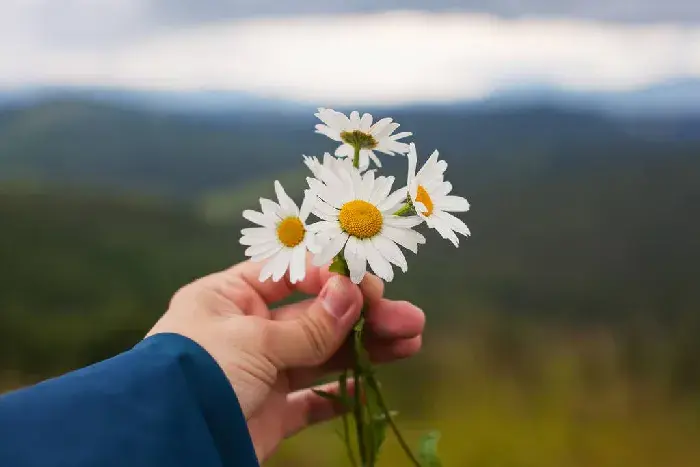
{"x":317,"y":338}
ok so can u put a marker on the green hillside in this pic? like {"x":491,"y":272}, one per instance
{"x":562,"y":333}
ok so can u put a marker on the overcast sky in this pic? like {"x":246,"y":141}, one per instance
{"x":349,"y":52}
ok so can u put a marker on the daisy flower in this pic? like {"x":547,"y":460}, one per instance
{"x":282,"y":236}
{"x":431,"y":198}
{"x":356,"y":131}
{"x":357,"y":218}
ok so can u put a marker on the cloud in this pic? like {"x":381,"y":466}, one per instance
{"x":393,"y":57}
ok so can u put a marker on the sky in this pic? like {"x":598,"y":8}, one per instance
{"x":342,"y":52}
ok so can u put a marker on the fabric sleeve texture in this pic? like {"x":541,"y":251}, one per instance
{"x":166,"y":402}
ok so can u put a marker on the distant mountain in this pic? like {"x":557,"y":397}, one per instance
{"x":670,"y":98}
{"x":85,"y":142}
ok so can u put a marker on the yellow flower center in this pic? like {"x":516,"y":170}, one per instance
{"x":360,"y":219}
{"x":358,"y":139}
{"x":422,"y":196}
{"x":291,"y":232}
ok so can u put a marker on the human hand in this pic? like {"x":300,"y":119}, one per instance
{"x":272,"y":358}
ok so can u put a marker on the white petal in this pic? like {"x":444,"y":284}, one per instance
{"x":413,"y":189}
{"x":259,"y":218}
{"x":455,"y":223}
{"x":393,"y":200}
{"x":408,"y":239}
{"x":420,"y":207}
{"x":314,"y":165}
{"x":326,"y":212}
{"x":307,"y":205}
{"x":323,"y":226}
{"x":432,"y":185}
{"x":377,"y":262}
{"x":403,"y":222}
{"x":366,"y":122}
{"x":444,"y":230}
{"x":328,"y":196}
{"x":401,"y":135}
{"x":385,"y":148}
{"x":313,"y":243}
{"x":333,"y":119}
{"x":281,"y":264}
{"x":364,"y":161}
{"x":453,"y":203}
{"x":396,"y":146}
{"x":258,"y":239}
{"x":443,"y":189}
{"x":367,"y":186}
{"x":379,"y":127}
{"x":288,"y":205}
{"x":382,"y":187}
{"x":270,"y":208}
{"x":297,"y":265}
{"x":356,"y":177}
{"x":356,"y":258}
{"x":429,"y":165}
{"x":373,"y":157}
{"x":255,"y":231}
{"x":345,"y":150}
{"x":332,"y":133}
{"x":331,"y":249}
{"x":390,"y":251}
{"x":267,"y":254}
{"x":388,"y":129}
{"x":331,"y":171}
{"x":260,"y":248}
{"x":412,"y":162}
{"x":355,"y":120}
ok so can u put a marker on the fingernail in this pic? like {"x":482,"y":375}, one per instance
{"x":336,"y":299}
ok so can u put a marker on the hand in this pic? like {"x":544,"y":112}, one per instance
{"x":272,"y":358}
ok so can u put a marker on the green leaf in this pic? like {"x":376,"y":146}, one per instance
{"x":427,"y":451}
{"x":379,"y":434}
{"x":340,"y":266}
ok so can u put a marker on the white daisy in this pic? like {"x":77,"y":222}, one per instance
{"x":282,"y":238}
{"x":360,"y":131}
{"x":430,"y":196}
{"x":357,"y":217}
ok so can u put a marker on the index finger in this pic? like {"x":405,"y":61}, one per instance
{"x":314,"y":280}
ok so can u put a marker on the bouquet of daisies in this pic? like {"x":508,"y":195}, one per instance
{"x":361,"y":223}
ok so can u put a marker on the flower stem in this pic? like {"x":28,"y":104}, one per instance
{"x":346,"y":425}
{"x":380,"y":398}
{"x":356,"y":157}
{"x":358,"y":412}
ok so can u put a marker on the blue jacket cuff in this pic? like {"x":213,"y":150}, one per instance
{"x":213,"y":392}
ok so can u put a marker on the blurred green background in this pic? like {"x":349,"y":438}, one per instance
{"x":564,"y":332}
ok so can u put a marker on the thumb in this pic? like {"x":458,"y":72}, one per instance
{"x":314,"y":336}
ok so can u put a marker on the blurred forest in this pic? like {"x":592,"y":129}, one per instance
{"x":564,"y":332}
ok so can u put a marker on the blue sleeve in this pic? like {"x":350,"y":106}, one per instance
{"x":166,"y":402}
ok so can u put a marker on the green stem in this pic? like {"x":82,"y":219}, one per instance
{"x":359,"y":419}
{"x":380,"y":398}
{"x":405,"y":209}
{"x":356,"y":157}
{"x":346,"y":428}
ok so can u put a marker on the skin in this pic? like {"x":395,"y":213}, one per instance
{"x":274,"y":357}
